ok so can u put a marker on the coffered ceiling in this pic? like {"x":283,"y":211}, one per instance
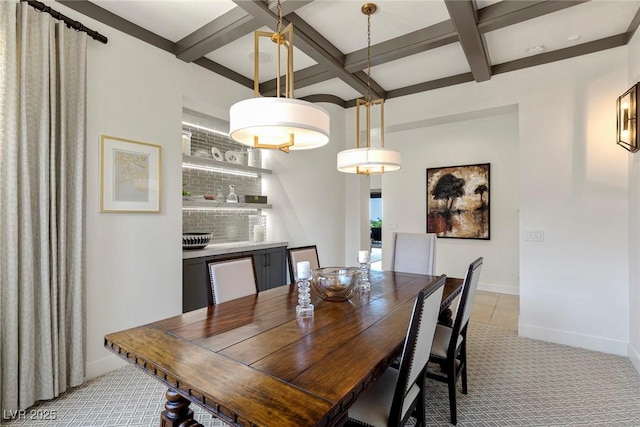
{"x":416,"y":45}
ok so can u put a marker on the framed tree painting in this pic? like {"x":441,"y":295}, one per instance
{"x":458,"y":201}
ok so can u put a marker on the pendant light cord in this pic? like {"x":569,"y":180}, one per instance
{"x":279,"y":27}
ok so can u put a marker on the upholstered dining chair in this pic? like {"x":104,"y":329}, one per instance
{"x":302,"y":253}
{"x":232,"y":278}
{"x":413,"y":252}
{"x":448,"y":359}
{"x":399,"y":393}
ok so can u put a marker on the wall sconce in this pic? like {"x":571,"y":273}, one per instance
{"x":627,"y":125}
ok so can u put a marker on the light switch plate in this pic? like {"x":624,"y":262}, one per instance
{"x":534,"y":236}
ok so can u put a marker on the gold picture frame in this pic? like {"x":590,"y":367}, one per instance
{"x":130,"y":175}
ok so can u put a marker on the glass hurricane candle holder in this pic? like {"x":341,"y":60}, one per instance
{"x":364,"y":259}
{"x":304,"y":307}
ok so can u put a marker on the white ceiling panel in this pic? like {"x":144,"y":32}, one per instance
{"x":238,"y":56}
{"x":553,"y":30}
{"x":171,"y":19}
{"x":426,"y":66}
{"x":345,"y":26}
{"x":330,"y":87}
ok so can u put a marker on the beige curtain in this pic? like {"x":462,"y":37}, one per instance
{"x":42,"y":198}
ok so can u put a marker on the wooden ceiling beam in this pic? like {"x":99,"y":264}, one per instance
{"x":94,"y":11}
{"x":561,"y":54}
{"x":490,"y":18}
{"x":437,"y":35}
{"x":225,"y":29}
{"x":463,"y":15}
{"x":509,"y":12}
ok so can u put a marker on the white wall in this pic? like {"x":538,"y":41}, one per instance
{"x":308,"y":193}
{"x":133,"y":260}
{"x":465,"y":140}
{"x":573,"y":185}
{"x":574,"y":286}
{"x":634,"y":221}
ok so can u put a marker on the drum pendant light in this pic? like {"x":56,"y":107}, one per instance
{"x":279,"y":122}
{"x":369,"y":160}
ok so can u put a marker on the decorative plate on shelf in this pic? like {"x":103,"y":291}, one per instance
{"x":217,"y":154}
{"x":233,"y":157}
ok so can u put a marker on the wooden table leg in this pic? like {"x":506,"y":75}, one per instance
{"x":177,"y":412}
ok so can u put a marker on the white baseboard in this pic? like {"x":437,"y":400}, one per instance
{"x":573,"y":339}
{"x":501,"y":289}
{"x":634,"y":356}
{"x":104,"y":365}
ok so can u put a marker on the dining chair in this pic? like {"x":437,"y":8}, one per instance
{"x":413,"y":252}
{"x":302,"y":253}
{"x":231,"y":278}
{"x":399,"y":393}
{"x":448,"y":359}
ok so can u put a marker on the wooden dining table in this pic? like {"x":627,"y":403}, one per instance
{"x":252,"y":362}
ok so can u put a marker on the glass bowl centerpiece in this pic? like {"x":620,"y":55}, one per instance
{"x":335,"y":283}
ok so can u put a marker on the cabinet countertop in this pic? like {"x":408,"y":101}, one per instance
{"x":228,"y":248}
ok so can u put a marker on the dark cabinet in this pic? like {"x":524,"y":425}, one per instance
{"x":271,"y":271}
{"x":196,"y":290}
{"x":271,"y":268}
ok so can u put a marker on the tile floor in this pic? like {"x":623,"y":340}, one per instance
{"x":499,"y":310}
{"x":489,"y":308}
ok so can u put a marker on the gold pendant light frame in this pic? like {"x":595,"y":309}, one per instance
{"x":281,"y":122}
{"x":284,"y":39}
{"x":364,"y":159}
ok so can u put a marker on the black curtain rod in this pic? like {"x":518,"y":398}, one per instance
{"x":70,"y":22}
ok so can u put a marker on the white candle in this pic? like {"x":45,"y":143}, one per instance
{"x":363,"y":256}
{"x":304,"y":269}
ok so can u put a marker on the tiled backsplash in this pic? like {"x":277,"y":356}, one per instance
{"x":226,"y":225}
{"x":201,"y":182}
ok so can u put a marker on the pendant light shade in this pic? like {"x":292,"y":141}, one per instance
{"x":280,"y":122}
{"x":269,"y":122}
{"x":369,"y":160}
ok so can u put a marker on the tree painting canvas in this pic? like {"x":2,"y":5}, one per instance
{"x":458,"y":201}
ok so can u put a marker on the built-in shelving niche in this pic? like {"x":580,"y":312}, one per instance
{"x":202,"y":174}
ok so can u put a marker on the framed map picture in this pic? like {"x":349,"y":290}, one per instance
{"x":129,"y":175}
{"x":458,"y":201}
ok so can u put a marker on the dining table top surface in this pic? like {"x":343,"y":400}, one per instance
{"x":252,"y":361}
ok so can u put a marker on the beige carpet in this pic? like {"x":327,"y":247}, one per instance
{"x":513,"y":381}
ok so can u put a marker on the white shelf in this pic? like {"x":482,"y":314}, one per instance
{"x":212,"y":204}
{"x":221,"y":167}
